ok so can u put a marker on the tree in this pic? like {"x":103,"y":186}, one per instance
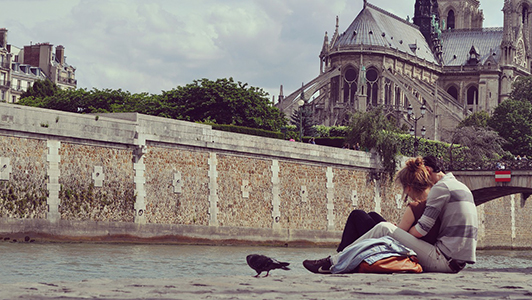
{"x":478,"y":119}
{"x":96,"y":101}
{"x":476,"y":144}
{"x":522,"y":89}
{"x":302,"y":117}
{"x":374,"y":131}
{"x":41,"y":89}
{"x":223,"y":102}
{"x":512,"y":119}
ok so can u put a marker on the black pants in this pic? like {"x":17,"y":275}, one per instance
{"x":358,"y":223}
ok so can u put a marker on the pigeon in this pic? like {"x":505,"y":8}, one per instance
{"x":261,"y":263}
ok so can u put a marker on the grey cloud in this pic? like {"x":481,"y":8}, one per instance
{"x":157,"y":45}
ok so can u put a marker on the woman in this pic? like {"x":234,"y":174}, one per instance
{"x":416,"y":183}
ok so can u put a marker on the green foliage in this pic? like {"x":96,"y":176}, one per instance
{"x":477,"y":144}
{"x":41,"y":89}
{"x":303,"y":116}
{"x":330,"y":131}
{"x":322,"y":130}
{"x":374,"y":131}
{"x":478,"y":119}
{"x":425,"y":147}
{"x":521,"y":89}
{"x":339,"y":131}
{"x":223,"y":102}
{"x":512,"y":119}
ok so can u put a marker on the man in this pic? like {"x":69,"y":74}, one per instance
{"x":449,"y":200}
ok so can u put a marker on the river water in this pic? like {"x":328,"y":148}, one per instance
{"x":53,"y":262}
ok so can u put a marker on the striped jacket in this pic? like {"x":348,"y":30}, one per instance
{"x":453,"y":202}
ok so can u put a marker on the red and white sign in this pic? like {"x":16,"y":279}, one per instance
{"x":503,"y":176}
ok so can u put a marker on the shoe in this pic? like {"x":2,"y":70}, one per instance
{"x":320,"y":266}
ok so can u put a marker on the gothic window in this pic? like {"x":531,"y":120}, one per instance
{"x":372,"y":77}
{"x":388,"y":92}
{"x":397,"y":97}
{"x":335,"y":89}
{"x":453,"y":92}
{"x":524,"y":17}
{"x":450,"y":20}
{"x":520,"y":55}
{"x":472,"y":96}
{"x":350,"y":85}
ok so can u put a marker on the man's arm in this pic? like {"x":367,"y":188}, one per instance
{"x":436,"y":200}
{"x":413,"y":231}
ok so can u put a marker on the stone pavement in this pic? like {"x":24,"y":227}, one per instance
{"x":468,"y":284}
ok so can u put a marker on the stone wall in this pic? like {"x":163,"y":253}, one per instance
{"x":141,"y":178}
{"x":23,"y":190}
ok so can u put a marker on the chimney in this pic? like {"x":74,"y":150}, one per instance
{"x":3,"y":38}
{"x":60,"y":54}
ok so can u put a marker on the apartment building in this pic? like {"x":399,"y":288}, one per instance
{"x":20,"y":67}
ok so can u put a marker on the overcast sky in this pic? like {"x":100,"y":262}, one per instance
{"x":156,"y":45}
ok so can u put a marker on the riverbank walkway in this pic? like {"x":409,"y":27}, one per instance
{"x":468,"y":284}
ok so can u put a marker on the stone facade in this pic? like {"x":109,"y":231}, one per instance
{"x":148,"y":178}
{"x":444,"y":59}
{"x":21,"y":67}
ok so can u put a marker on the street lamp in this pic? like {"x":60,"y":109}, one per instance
{"x":413,"y":130}
{"x":300,"y":103}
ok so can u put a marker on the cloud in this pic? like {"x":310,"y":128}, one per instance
{"x":149,"y":46}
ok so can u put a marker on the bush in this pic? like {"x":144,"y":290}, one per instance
{"x":330,"y":131}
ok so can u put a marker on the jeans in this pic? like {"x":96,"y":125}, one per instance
{"x":358,"y":223}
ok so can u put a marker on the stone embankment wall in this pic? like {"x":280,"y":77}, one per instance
{"x":132,"y":177}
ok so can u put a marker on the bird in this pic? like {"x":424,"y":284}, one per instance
{"x":262,"y":263}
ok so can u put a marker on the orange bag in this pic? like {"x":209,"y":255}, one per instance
{"x":393,"y":264}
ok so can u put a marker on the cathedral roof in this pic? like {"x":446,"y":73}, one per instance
{"x":376,"y":27}
{"x":458,"y":43}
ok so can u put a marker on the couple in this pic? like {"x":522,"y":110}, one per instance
{"x":444,"y":238}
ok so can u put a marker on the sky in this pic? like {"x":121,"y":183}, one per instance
{"x":156,"y":45}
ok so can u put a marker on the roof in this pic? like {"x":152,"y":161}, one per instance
{"x":376,"y":27}
{"x":458,"y":43}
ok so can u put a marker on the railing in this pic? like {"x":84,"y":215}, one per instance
{"x":68,"y":80}
{"x":516,"y":164}
{"x":5,"y":83}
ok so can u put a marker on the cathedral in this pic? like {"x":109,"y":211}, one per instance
{"x":441,"y":66}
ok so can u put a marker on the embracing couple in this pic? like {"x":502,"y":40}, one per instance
{"x":439,"y":225}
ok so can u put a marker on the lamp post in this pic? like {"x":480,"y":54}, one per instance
{"x":301,"y":103}
{"x":413,"y":130}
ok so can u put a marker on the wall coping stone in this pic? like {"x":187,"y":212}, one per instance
{"x":125,"y":128}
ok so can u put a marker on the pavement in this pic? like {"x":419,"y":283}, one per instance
{"x":468,"y":284}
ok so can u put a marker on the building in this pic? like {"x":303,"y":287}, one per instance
{"x":444,"y":59}
{"x":20,"y":67}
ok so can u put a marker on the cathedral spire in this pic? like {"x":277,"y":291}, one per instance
{"x":427,"y":17}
